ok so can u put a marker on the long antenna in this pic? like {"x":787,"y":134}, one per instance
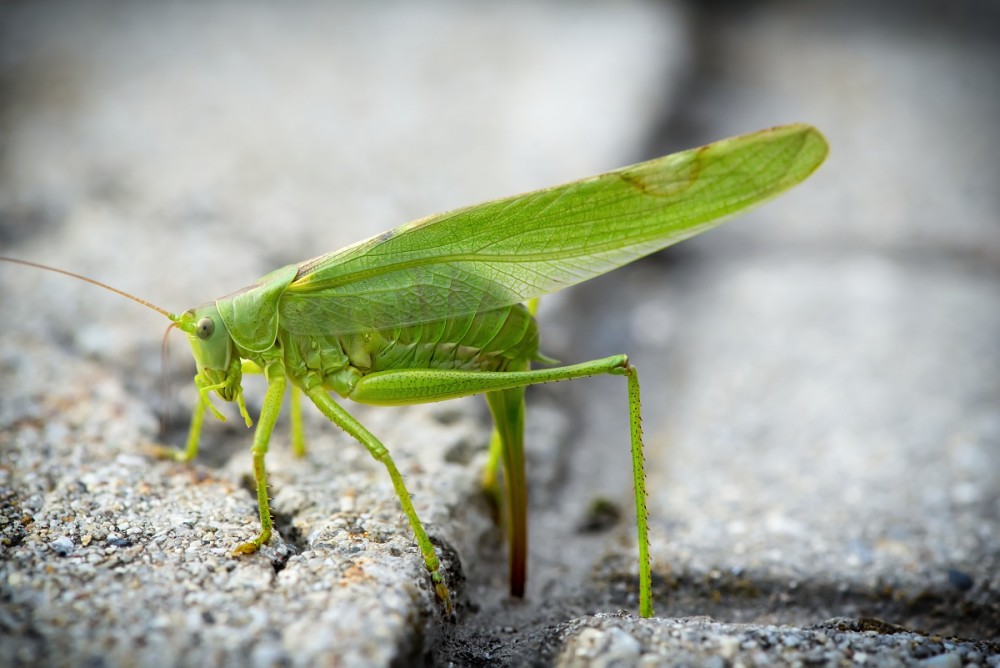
{"x":93,"y":282}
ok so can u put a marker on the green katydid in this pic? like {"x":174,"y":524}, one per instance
{"x":435,"y":309}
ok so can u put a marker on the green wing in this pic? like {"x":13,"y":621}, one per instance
{"x":507,"y":251}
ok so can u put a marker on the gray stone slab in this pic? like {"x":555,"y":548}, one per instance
{"x":606,"y":640}
{"x":857,"y":447}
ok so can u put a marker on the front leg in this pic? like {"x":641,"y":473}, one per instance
{"x":274,"y":372}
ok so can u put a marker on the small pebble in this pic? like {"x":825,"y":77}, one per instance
{"x":62,"y":546}
{"x":942,"y":661}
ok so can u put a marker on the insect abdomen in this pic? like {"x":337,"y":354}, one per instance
{"x":486,"y":341}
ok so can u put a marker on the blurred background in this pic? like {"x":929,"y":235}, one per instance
{"x":820,"y":378}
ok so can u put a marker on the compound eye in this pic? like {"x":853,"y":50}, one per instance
{"x":205,"y":328}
